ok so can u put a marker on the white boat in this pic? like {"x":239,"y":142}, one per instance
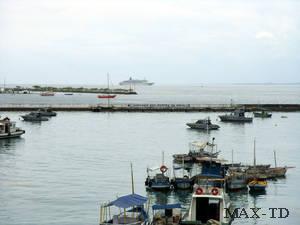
{"x":8,"y":129}
{"x":208,"y":203}
{"x":135,"y":82}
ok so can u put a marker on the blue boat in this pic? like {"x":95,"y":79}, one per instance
{"x":133,"y":211}
{"x":157,"y":180}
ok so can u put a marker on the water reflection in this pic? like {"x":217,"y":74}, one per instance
{"x":10,"y":144}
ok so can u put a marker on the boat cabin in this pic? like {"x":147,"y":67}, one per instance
{"x":7,"y":126}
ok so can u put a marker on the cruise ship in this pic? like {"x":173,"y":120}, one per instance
{"x":136,"y":82}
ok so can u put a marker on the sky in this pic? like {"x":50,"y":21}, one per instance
{"x":165,"y":41}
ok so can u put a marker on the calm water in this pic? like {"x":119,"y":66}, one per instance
{"x":207,"y":94}
{"x":61,"y":170}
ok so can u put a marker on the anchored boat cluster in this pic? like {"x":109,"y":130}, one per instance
{"x":207,"y":177}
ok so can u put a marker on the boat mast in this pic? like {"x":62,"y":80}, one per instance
{"x":132,"y":181}
{"x":232,"y":157}
{"x":275,"y":161}
{"x":108,"y":100}
{"x":254,"y":159}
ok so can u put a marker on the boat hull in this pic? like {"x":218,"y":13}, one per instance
{"x":12,"y":135}
{"x":236,"y":119}
{"x":203,"y":127}
{"x":33,"y":119}
{"x":106,"y":96}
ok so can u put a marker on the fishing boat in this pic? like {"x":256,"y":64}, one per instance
{"x":157,"y":179}
{"x":209,"y":202}
{"x":197,"y":150}
{"x":169,"y":214}
{"x":237,"y":116}
{"x":107,"y":96}
{"x":47,"y":93}
{"x":203,"y":124}
{"x":8,"y":129}
{"x":181,"y":178}
{"x":133,"y":206}
{"x":262,"y":114}
{"x":258,"y":182}
{"x":48,"y":112}
{"x":236,"y":179}
{"x":34,"y":117}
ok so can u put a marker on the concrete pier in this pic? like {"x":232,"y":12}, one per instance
{"x":153,"y":107}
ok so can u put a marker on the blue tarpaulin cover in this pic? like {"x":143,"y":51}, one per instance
{"x":169,"y":206}
{"x":128,"y":201}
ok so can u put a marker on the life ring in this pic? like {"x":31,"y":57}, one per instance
{"x":214,"y":191}
{"x":199,"y":191}
{"x":163,"y":169}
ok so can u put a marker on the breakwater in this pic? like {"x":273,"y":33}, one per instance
{"x":153,"y":107}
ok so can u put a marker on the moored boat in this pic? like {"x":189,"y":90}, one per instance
{"x":169,"y":214}
{"x":258,"y":184}
{"x":8,"y":129}
{"x":237,"y":116}
{"x":157,"y":179}
{"x":47,"y":93}
{"x":48,"y":112}
{"x":236,"y":179}
{"x":208,"y":203}
{"x":106,"y":96}
{"x":182,"y":179}
{"x":34,"y":117}
{"x":204,"y":124}
{"x":262,"y":114}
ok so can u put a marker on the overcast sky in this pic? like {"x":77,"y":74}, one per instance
{"x":166,"y":41}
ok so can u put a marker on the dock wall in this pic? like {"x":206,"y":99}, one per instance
{"x":153,"y":107}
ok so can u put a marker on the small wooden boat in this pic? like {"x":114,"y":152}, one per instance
{"x":133,"y":206}
{"x":8,"y":129}
{"x":169,"y":214}
{"x":106,"y":96}
{"x":258,"y":184}
{"x":236,"y":179}
{"x":48,"y":93}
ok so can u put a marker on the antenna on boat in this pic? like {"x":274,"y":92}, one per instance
{"x":232,"y":157}
{"x":163,"y":158}
{"x":132,"y":182}
{"x":254,"y":159}
{"x":275,"y":161}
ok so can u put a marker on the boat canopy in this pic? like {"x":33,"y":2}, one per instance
{"x":128,"y":201}
{"x":168,"y":206}
{"x":198,"y":144}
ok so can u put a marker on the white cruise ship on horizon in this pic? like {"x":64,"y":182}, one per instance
{"x":135,"y":82}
